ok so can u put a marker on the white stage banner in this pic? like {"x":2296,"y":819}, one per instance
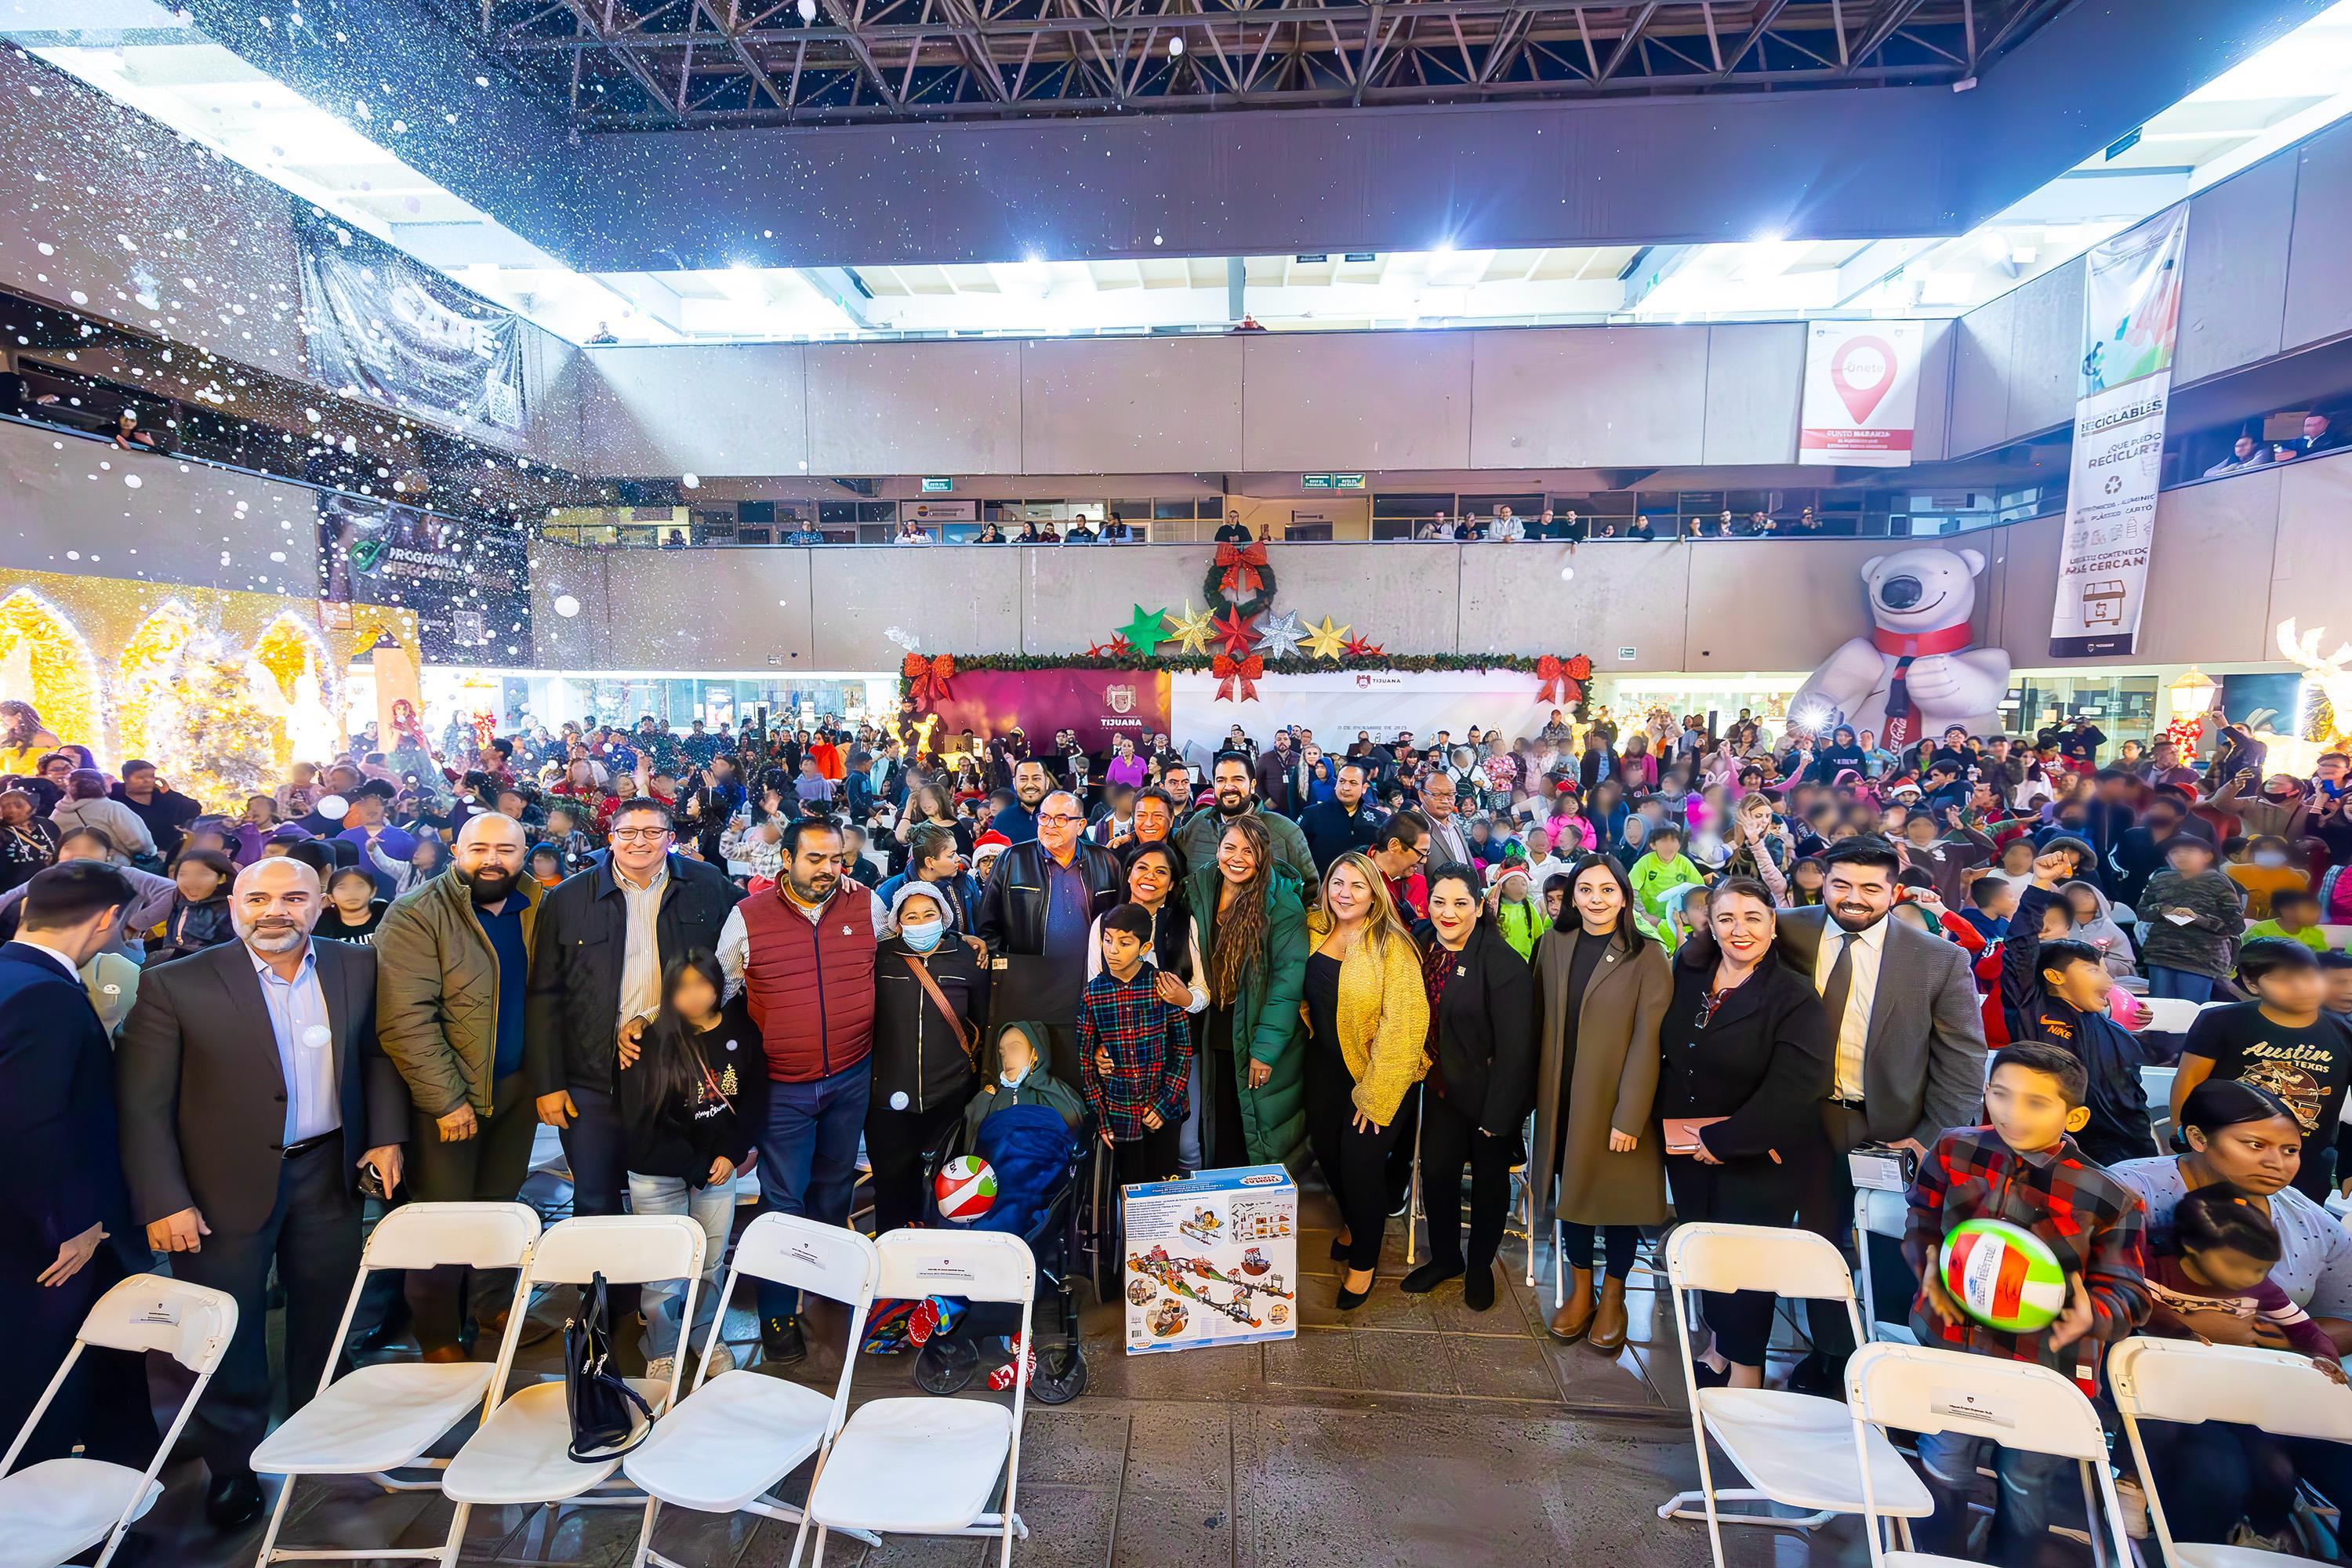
{"x":1862,"y":395}
{"x":1337,"y":706}
{"x":2131,"y":316}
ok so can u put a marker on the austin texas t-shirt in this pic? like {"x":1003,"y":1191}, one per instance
{"x":2305,"y":1066}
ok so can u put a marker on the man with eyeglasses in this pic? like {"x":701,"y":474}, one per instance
{"x":1036,"y":914}
{"x":604,"y":938}
{"x":1402,"y":853}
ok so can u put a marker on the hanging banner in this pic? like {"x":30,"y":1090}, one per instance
{"x":1337,"y":706}
{"x":1101,"y":705}
{"x":2131,"y":314}
{"x":468,"y":582}
{"x":378,"y":325}
{"x":1862,"y":395}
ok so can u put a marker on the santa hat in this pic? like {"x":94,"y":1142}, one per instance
{"x":988,"y":845}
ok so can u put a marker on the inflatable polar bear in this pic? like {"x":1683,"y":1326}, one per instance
{"x":1916,"y":672}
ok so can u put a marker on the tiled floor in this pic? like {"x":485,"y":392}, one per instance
{"x":1411,"y":1431}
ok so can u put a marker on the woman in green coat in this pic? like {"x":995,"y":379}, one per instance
{"x":1252,"y":932}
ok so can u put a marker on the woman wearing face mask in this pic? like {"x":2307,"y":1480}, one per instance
{"x":1746,"y":1055}
{"x":930,"y":996}
{"x":1155,"y":881}
{"x":1602,"y":990}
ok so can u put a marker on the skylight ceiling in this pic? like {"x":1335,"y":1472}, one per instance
{"x":345,"y":158}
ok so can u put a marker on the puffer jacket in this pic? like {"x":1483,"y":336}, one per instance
{"x":2208,"y":943}
{"x":1382,"y":1017}
{"x":123,"y":827}
{"x":437,"y":992}
{"x":1265,"y":1022}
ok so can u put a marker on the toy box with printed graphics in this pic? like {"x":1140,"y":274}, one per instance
{"x":1213,"y":1260}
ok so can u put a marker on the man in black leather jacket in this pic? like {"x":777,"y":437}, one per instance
{"x":1037,"y":913}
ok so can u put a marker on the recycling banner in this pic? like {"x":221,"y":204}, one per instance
{"x":2131,"y":318}
{"x":1862,"y":395}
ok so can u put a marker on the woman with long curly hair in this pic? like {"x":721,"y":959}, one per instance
{"x":1251,"y":930}
{"x":23,"y":739}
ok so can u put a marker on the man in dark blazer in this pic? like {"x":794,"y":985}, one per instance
{"x":66,"y":1230}
{"x":1909,"y":1044}
{"x":1276,"y":767}
{"x":253,"y":1091}
{"x":605,"y":937}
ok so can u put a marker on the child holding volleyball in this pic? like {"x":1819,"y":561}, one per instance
{"x":2050,"y":1210}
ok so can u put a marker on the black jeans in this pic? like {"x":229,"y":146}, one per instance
{"x":597,"y":1150}
{"x":895,"y":1142}
{"x":1354,"y":1162}
{"x":1398,"y":1175}
{"x":1149,"y":1158}
{"x":1618,"y":1243}
{"x":488,"y":1167}
{"x":1450,"y":1140}
{"x":312,"y":1238}
{"x":103,"y":1407}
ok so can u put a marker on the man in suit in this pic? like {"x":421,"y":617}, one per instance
{"x":1277,"y":772}
{"x":253,"y":1091}
{"x":66,"y":1231}
{"x":1910,"y":1052}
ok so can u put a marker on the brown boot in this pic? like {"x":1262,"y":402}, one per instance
{"x":1575,"y":1315}
{"x":1609,"y":1323}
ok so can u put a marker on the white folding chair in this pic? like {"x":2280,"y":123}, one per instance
{"x":1878,"y":1213}
{"x":2019,"y":1403}
{"x":1795,"y":1448}
{"x":733,"y":1438}
{"x":383,"y":1417}
{"x":926,"y":1466}
{"x":51,"y":1510}
{"x":2182,"y":1380}
{"x":521,"y":1453}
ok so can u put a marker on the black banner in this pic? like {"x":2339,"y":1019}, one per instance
{"x":380,"y":325}
{"x":468,"y":582}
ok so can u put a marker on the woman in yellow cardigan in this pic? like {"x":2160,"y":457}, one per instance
{"x":1367,"y":1021}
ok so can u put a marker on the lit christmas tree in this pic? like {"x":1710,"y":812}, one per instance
{"x":211,"y":740}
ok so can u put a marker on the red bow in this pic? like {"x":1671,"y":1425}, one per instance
{"x":1246,"y":672}
{"x":1240,"y":580}
{"x":1553,"y":674}
{"x":930,"y":676}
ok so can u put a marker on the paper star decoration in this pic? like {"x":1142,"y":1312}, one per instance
{"x":1233,"y":629}
{"x":1360,"y":647}
{"x":1190,"y":632}
{"x":1118,"y":647}
{"x":1278,"y":636}
{"x":1146,"y":629}
{"x":1327,"y":641}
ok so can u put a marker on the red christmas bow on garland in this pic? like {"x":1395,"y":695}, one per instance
{"x":1246,"y":672}
{"x":1240,"y":579}
{"x":930,"y":676}
{"x":1561,"y":678}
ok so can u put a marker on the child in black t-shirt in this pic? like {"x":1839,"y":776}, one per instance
{"x":2285,"y":1041}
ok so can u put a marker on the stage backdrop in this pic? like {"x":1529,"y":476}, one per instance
{"x":1100,"y":704}
{"x":1337,"y":705}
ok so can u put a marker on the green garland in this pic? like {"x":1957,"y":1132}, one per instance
{"x":1212,"y":588}
{"x":1405,"y":663}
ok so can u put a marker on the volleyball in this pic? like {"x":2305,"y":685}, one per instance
{"x":2003,"y":1275}
{"x":966,"y":1187}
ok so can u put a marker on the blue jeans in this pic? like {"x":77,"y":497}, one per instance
{"x":712,"y":1209}
{"x":2181,"y":984}
{"x":808,"y":1158}
{"x":2020,"y":1518}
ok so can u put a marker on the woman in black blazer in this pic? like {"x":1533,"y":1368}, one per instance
{"x":1746,"y":1052}
{"x":1482,"y":1023}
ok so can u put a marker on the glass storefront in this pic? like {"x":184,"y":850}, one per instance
{"x":517,"y":698}
{"x":2127,"y":707}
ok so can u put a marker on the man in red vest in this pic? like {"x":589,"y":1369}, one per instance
{"x":802,"y":953}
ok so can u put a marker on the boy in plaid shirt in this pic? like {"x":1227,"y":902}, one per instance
{"x":1137,"y":1050}
{"x":2023,"y":1168}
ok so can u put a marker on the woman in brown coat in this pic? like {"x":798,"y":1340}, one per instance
{"x":1602,"y":992}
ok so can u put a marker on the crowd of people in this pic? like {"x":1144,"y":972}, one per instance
{"x":1663,"y":967}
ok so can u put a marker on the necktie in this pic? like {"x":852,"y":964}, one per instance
{"x":1839,"y":985}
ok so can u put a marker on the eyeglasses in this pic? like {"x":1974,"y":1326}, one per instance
{"x":641,"y":834}
{"x":1059,"y":816}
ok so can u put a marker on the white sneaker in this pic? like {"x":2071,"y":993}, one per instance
{"x":659,"y":1370}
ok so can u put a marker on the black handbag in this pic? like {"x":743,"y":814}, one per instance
{"x":603,"y":1427}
